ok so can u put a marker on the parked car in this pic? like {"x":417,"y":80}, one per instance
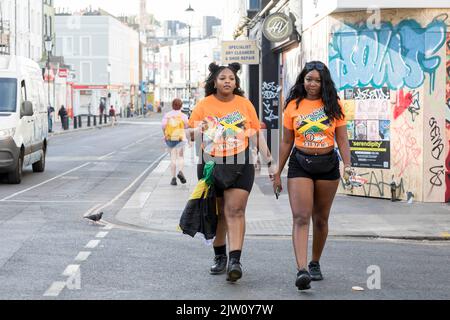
{"x":23,"y":117}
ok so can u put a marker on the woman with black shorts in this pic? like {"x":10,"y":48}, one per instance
{"x":313,"y":120}
{"x":227,"y":121}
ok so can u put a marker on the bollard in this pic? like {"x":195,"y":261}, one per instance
{"x":100,"y":120}
{"x":89,"y":121}
{"x":393,"y":191}
{"x":106,"y":119}
{"x":95,"y":121}
{"x":80,"y":124}
{"x":75,"y":123}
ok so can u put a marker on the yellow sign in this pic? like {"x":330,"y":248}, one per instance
{"x":244,"y":52}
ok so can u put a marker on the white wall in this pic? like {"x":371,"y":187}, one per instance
{"x":26,"y":30}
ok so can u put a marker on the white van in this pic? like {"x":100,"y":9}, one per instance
{"x":23,"y":117}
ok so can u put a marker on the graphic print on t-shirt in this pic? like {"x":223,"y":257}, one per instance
{"x":313,"y":126}
{"x":224,"y":135}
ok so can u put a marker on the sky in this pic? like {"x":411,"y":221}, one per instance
{"x":162,"y":9}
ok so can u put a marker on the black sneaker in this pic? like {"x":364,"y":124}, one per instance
{"x":174,"y":181}
{"x":303,"y":280}
{"x":181,"y":177}
{"x":220,"y":264}
{"x":234,"y":270}
{"x":314,"y":271}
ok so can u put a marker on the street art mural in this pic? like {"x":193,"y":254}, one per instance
{"x":394,"y":56}
{"x":447,"y":117}
{"x":391,"y":84}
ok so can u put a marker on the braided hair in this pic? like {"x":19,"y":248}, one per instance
{"x":215,"y":70}
{"x":329,"y":94}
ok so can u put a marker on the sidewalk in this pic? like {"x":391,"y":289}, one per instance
{"x":58,"y":130}
{"x":158,"y":206}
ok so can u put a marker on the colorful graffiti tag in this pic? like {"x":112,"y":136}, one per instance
{"x":396,"y":57}
{"x":447,"y":160}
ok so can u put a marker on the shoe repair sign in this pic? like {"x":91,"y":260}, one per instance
{"x":243,"y":52}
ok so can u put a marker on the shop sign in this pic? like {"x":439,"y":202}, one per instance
{"x":277,"y":27}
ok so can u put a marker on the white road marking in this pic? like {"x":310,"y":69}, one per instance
{"x":109,"y":226}
{"x":55,"y":289}
{"x":107,"y":155}
{"x":48,"y":201}
{"x":82,"y":256}
{"x":102,"y":234}
{"x":45,"y":182}
{"x":71,"y":270}
{"x":92,"y":244}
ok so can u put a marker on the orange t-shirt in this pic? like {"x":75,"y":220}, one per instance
{"x":313,"y":129}
{"x":226,"y":125}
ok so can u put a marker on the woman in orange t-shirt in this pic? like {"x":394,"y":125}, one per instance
{"x":313,"y":120}
{"x":227,"y":121}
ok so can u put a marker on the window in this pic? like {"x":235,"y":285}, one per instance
{"x":8,"y":92}
{"x":254,"y":5}
{"x":85,"y":46}
{"x":86,"y":72}
{"x":68,"y":46}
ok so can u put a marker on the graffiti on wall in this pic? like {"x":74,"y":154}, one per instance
{"x":394,"y":56}
{"x":437,"y":143}
{"x":409,"y":101}
{"x":447,"y":160}
{"x":406,"y":149}
{"x":377,"y":186}
{"x":270,"y":93}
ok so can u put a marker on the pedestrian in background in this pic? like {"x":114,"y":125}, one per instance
{"x":313,"y":120}
{"x":50,"y":111}
{"x":62,"y":113}
{"x":174,"y":125}
{"x":112,"y":115}
{"x":227,"y":121}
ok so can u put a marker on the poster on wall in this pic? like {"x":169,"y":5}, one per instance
{"x":368,"y":126}
{"x":370,"y":154}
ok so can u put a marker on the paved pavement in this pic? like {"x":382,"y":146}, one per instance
{"x":157,"y":206}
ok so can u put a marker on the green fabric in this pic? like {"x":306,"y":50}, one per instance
{"x":207,"y":173}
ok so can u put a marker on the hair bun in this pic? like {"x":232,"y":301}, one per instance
{"x":213,"y":67}
{"x":235,"y":66}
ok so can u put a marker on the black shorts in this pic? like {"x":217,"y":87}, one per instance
{"x":298,"y":170}
{"x":244,"y":181}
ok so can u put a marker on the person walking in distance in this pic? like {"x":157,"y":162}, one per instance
{"x":313,"y":119}
{"x":227,"y":124}
{"x":62,"y":113}
{"x":112,"y":115}
{"x":174,"y":124}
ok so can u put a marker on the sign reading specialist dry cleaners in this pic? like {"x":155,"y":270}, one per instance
{"x":244,"y":52}
{"x":370,"y":154}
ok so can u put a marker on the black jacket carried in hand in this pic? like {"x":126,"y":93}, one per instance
{"x":200,"y":213}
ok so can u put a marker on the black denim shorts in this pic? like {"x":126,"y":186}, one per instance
{"x":320,"y":167}
{"x":244,"y":181}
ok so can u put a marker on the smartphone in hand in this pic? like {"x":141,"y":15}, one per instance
{"x":277,"y":192}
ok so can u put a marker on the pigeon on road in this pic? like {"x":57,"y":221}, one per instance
{"x":95,"y":217}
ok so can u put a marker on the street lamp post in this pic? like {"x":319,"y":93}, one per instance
{"x":190,"y":12}
{"x":48,"y":48}
{"x":108,"y":69}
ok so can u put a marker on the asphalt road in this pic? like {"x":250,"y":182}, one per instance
{"x":48,"y":251}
